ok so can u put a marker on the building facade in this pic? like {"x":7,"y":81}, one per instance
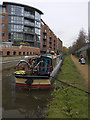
{"x":59,"y":46}
{"x":20,"y":23}
{"x":19,"y":51}
{"x":49,"y":41}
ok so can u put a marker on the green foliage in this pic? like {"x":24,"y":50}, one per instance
{"x":68,"y":102}
{"x":16,"y":43}
{"x":65,"y":50}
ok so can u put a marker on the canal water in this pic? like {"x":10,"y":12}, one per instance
{"x":21,"y":102}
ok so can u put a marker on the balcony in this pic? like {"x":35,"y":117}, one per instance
{"x":50,"y":37}
{"x":27,"y":23}
{"x":50,"y":42}
{"x":28,"y":32}
{"x":28,"y":15}
{"x":44,"y":32}
{"x":44,"y":38}
{"x":29,"y":40}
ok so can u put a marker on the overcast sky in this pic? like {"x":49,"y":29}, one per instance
{"x":64,"y":17}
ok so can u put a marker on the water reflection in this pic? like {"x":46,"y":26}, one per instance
{"x":21,"y":102}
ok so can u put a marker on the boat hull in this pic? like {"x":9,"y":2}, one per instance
{"x":33,"y":86}
{"x":33,"y":83}
{"x":36,"y":81}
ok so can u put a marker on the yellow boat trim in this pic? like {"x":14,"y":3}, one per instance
{"x":35,"y":81}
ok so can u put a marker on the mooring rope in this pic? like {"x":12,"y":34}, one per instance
{"x":73,"y":86}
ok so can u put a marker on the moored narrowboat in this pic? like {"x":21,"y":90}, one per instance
{"x":37,"y":72}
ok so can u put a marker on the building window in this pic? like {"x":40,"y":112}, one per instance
{"x":9,"y":36}
{"x":28,"y":29}
{"x":17,"y":10}
{"x":23,"y":53}
{"x":19,"y":53}
{"x":3,"y":34}
{"x":2,"y":17}
{"x":37,"y":24}
{"x":17,"y":36}
{"x":29,"y":14}
{"x":37,"y":31}
{"x":18,"y":28}
{"x":14,"y":53}
{"x":37,"y":15}
{"x":28,"y":22}
{"x":29,"y":37}
{"x":17,"y":19}
{"x":2,"y":9}
{"x":3,"y":25}
{"x":8,"y":52}
{"x":37,"y":38}
{"x":27,"y":53}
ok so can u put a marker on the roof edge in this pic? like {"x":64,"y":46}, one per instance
{"x":23,"y":5}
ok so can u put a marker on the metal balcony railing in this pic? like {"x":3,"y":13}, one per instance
{"x":27,"y":14}
{"x":29,"y":23}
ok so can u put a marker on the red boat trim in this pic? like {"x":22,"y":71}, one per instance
{"x":32,"y":86}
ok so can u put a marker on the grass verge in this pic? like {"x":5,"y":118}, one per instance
{"x":68,"y":102}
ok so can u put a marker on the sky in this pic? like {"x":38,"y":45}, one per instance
{"x":64,"y":17}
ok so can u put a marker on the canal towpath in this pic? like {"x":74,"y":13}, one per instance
{"x":83,"y":69}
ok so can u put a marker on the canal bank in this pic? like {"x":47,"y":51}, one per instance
{"x":70,"y":95}
{"x":10,"y":62}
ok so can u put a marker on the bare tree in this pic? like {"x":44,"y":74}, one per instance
{"x":80,"y":42}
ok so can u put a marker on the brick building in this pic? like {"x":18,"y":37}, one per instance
{"x":59,"y":46}
{"x":49,"y":41}
{"x":23,"y":24}
{"x":19,"y":50}
{"x":20,"y":23}
{"x":4,"y":24}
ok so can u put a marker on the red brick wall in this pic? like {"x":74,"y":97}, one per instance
{"x":59,"y":45}
{"x":5,"y":22}
{"x":30,"y":50}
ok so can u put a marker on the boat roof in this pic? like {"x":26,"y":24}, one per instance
{"x":49,"y":56}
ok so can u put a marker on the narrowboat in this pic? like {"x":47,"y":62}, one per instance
{"x":37,"y":72}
